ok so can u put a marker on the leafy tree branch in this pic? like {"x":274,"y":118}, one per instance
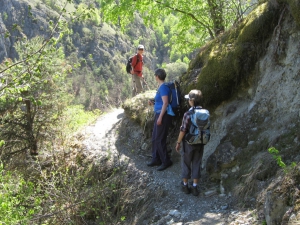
{"x":189,"y":14}
{"x":199,"y":20}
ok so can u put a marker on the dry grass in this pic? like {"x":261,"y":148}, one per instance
{"x":249,"y":184}
{"x":137,"y":107}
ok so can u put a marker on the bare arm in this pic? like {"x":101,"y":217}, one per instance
{"x":165,"y":100}
{"x":179,"y":140}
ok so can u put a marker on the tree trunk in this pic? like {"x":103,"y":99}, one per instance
{"x":216,"y":13}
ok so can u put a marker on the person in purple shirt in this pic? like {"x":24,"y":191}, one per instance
{"x":162,"y":122}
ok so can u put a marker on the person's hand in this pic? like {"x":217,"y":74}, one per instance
{"x":177,"y":147}
{"x":159,"y":121}
{"x":150,"y":102}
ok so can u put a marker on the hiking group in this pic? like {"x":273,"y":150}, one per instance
{"x":194,"y":130}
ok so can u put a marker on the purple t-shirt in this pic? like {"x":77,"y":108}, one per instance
{"x":163,"y":90}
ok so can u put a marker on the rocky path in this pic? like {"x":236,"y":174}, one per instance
{"x":114,"y":134}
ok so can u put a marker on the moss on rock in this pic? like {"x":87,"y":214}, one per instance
{"x":225,"y":62}
{"x":137,"y":107}
{"x":295,"y":9}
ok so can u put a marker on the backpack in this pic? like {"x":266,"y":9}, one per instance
{"x":175,"y":97}
{"x":128,"y":65}
{"x":199,"y":132}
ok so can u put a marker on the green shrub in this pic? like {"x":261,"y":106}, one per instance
{"x":294,"y":8}
{"x":4,"y":16}
{"x":275,"y":153}
{"x":228,"y":61}
{"x":18,"y":202}
{"x":75,"y":117}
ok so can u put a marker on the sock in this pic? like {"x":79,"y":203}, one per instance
{"x":194,"y":185}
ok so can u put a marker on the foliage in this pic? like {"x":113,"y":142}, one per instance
{"x":4,"y":16}
{"x":75,"y":117}
{"x":52,"y":4}
{"x":18,"y":202}
{"x":88,"y":34}
{"x":197,"y":20}
{"x":32,"y":94}
{"x":33,"y":100}
{"x":101,"y":51}
{"x":275,"y":153}
{"x":95,"y":86}
{"x":294,"y":8}
{"x":137,"y":107}
{"x":87,"y":13}
{"x":229,"y":60}
{"x":63,"y":194}
{"x":175,"y":70}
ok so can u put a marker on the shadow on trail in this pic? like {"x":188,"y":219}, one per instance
{"x":160,"y":190}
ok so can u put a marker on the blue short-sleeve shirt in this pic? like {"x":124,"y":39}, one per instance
{"x":163,"y":90}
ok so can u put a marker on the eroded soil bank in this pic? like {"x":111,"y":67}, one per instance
{"x":157,"y":193}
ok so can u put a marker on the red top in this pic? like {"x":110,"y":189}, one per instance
{"x":137,"y":64}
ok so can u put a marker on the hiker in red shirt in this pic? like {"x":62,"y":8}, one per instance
{"x":137,"y":68}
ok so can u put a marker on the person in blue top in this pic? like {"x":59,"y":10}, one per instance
{"x":162,"y":122}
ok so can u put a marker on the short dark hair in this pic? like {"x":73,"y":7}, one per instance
{"x":161,"y":73}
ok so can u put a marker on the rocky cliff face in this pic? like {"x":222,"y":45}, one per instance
{"x":264,"y":115}
{"x":251,"y":75}
{"x":3,"y":41}
{"x":20,"y":19}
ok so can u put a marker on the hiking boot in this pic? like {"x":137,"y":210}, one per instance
{"x":195,"y":191}
{"x":163,"y":166}
{"x":153,"y":163}
{"x":185,"y":188}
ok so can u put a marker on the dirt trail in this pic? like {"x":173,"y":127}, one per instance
{"x":173,"y":206}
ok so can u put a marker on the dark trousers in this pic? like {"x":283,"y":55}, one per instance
{"x":191,"y":160}
{"x":159,"y":140}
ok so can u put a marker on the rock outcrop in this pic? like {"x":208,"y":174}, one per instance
{"x":258,"y":116}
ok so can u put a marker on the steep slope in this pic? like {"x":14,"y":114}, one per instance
{"x":260,"y":110}
{"x":265,"y":115}
{"x":149,"y":196}
{"x":250,"y":79}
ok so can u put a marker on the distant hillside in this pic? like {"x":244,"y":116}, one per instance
{"x":97,"y":51}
